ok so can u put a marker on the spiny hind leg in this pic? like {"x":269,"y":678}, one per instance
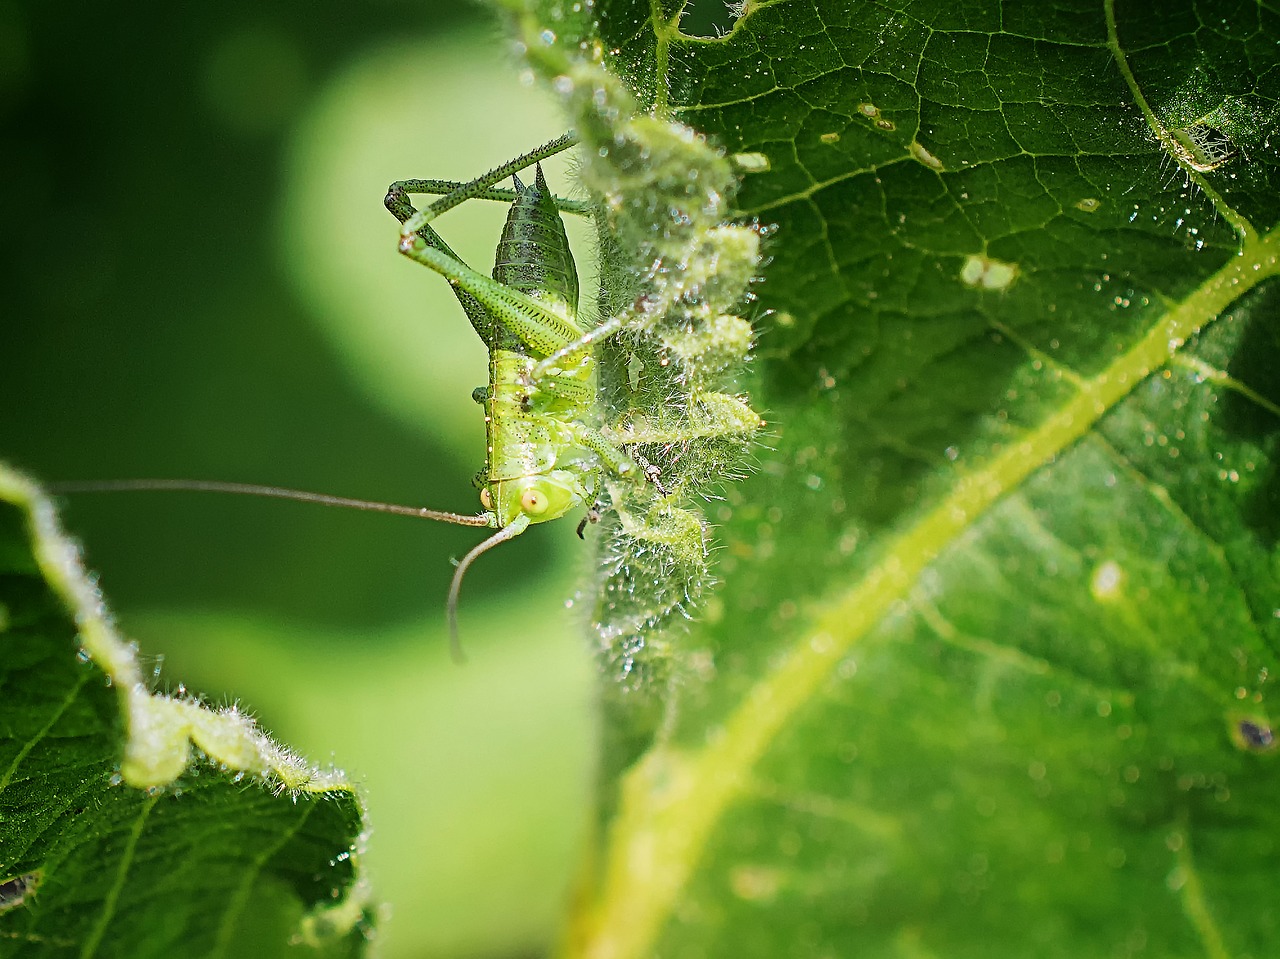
{"x":587,"y":341}
{"x":488,"y":303}
{"x":480,"y":188}
{"x":398,"y":203}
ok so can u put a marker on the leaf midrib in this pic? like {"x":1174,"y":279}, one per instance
{"x":671,"y":802}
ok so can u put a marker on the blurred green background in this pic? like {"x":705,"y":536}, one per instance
{"x":200,"y":282}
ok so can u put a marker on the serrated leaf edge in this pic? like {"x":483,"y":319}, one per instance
{"x":161,"y":728}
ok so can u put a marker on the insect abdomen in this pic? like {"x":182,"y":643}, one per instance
{"x":533,"y":254}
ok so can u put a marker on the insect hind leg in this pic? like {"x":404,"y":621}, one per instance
{"x":528,"y":319}
{"x":398,"y":203}
{"x":481,"y":187}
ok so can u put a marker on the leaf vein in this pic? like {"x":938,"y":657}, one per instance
{"x":58,"y":713}
{"x":672,"y":802}
{"x":249,"y":875}
{"x":94,"y":938}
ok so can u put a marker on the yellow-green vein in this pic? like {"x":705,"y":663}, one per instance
{"x":671,"y":803}
{"x":1191,"y":894}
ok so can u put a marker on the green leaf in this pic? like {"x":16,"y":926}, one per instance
{"x":113,"y":840}
{"x":990,"y":669}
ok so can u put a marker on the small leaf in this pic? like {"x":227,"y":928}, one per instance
{"x":114,"y":840}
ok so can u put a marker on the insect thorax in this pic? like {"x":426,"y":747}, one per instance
{"x":534,"y":465}
{"x":534,"y":459}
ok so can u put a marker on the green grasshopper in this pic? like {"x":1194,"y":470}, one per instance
{"x":544,"y":458}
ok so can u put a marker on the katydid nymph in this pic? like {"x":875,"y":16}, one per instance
{"x":666,"y":423}
{"x":544,"y":457}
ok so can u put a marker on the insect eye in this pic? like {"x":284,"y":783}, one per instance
{"x":533,"y":502}
{"x":485,"y":499}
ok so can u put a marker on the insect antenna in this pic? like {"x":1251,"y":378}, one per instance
{"x":510,"y":531}
{"x":271,"y":492}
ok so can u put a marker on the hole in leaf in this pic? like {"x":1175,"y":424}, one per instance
{"x":709,"y":18}
{"x":14,"y":892}
{"x":1254,"y":735}
{"x":1202,"y":147}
